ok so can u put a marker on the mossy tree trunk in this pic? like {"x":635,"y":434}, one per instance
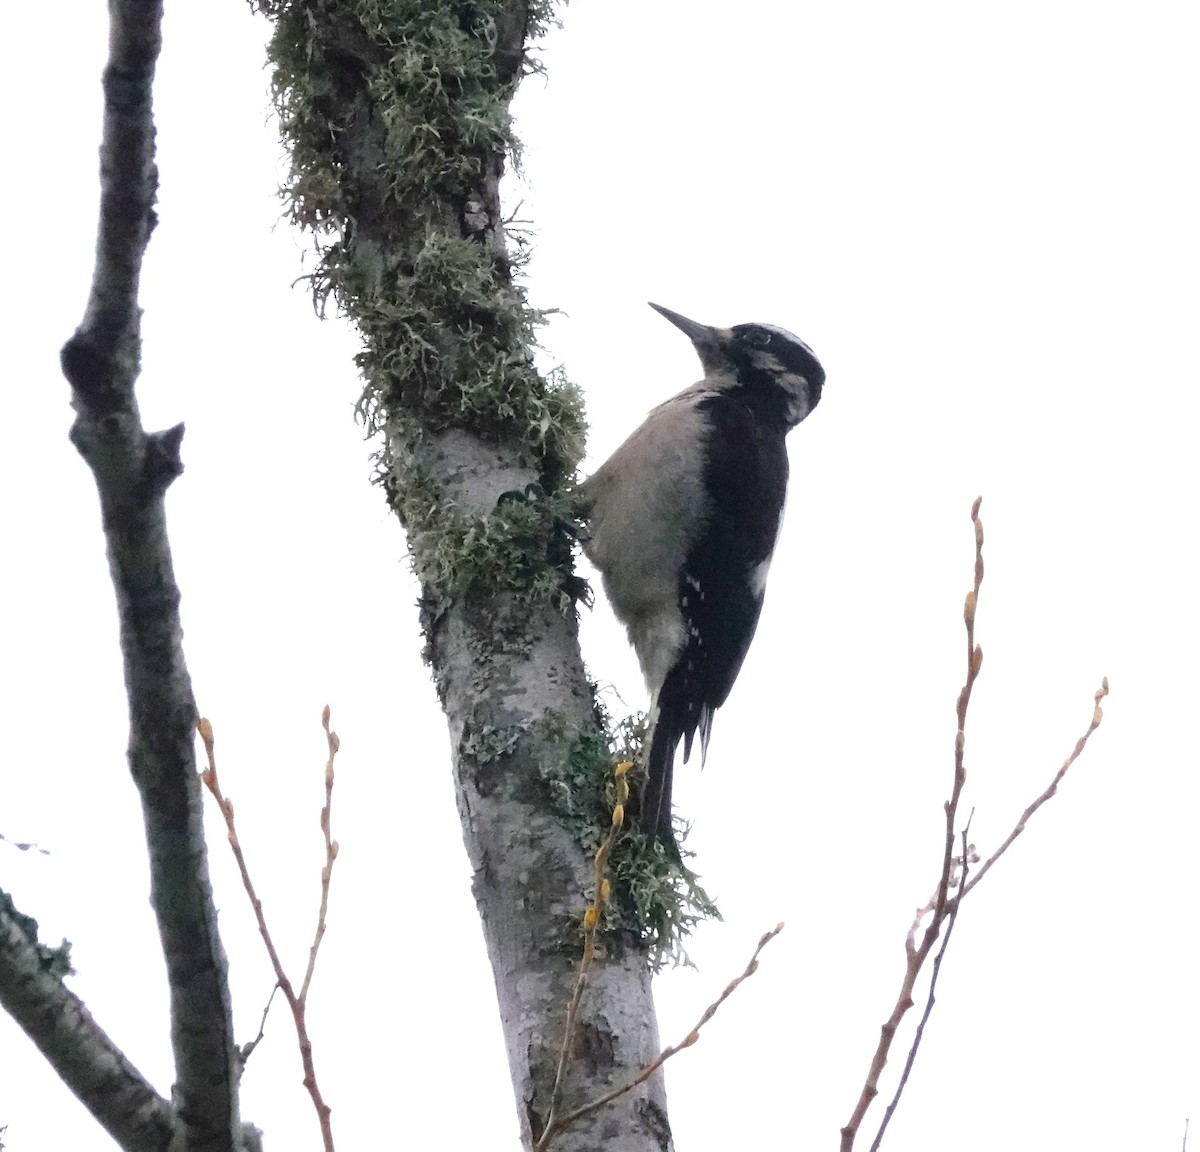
{"x":397,"y":116}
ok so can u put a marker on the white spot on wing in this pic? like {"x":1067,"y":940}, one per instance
{"x":758,"y":578}
{"x":758,"y":574}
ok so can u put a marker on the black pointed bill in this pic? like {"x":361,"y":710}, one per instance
{"x":699,"y":334}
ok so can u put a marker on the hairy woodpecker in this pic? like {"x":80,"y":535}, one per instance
{"x":683,"y":519}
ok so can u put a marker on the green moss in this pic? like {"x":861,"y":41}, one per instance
{"x":520,"y":548}
{"x":414,"y":89}
{"x":396,"y":114}
{"x":658,"y":900}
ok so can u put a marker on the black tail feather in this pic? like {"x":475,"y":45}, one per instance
{"x":655,"y":805}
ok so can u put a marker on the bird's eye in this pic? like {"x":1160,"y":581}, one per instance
{"x":757,"y":338}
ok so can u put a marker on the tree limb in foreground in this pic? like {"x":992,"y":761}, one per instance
{"x":133,"y":469}
{"x":80,"y":1051}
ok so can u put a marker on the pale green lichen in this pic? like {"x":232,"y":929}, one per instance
{"x":396,"y":112}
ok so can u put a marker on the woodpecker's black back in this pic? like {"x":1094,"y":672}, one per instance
{"x":683,"y":519}
{"x":722,"y":584}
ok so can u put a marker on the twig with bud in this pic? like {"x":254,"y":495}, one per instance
{"x":942,"y":909}
{"x":297,"y":1002}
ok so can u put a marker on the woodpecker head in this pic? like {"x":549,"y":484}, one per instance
{"x":775,"y":372}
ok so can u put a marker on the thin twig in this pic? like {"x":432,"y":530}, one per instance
{"x":645,"y":1073}
{"x":910,"y":1060}
{"x":943,"y":908}
{"x":247,"y":1049}
{"x":916,"y":954}
{"x":297,"y":1003}
{"x":1019,"y":827}
{"x":24,"y":845}
{"x":331,"y":851}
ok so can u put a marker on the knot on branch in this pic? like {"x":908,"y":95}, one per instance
{"x":89,"y":370}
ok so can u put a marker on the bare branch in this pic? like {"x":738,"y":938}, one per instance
{"x":297,"y":1003}
{"x":101,"y":359}
{"x":645,"y":1073}
{"x":331,"y":851}
{"x":133,"y":469}
{"x":1052,"y":788}
{"x":941,"y":905}
{"x":78,"y":1049}
{"x":24,"y":845}
{"x":931,"y":999}
{"x":248,"y":1049}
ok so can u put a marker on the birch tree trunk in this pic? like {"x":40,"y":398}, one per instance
{"x":397,"y":117}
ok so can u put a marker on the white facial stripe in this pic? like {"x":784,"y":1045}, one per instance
{"x":786,"y":335}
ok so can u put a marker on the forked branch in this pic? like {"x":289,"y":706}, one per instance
{"x":938,"y":916}
{"x":297,"y":1001}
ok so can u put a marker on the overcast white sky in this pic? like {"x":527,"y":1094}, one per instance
{"x":984,"y":220}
